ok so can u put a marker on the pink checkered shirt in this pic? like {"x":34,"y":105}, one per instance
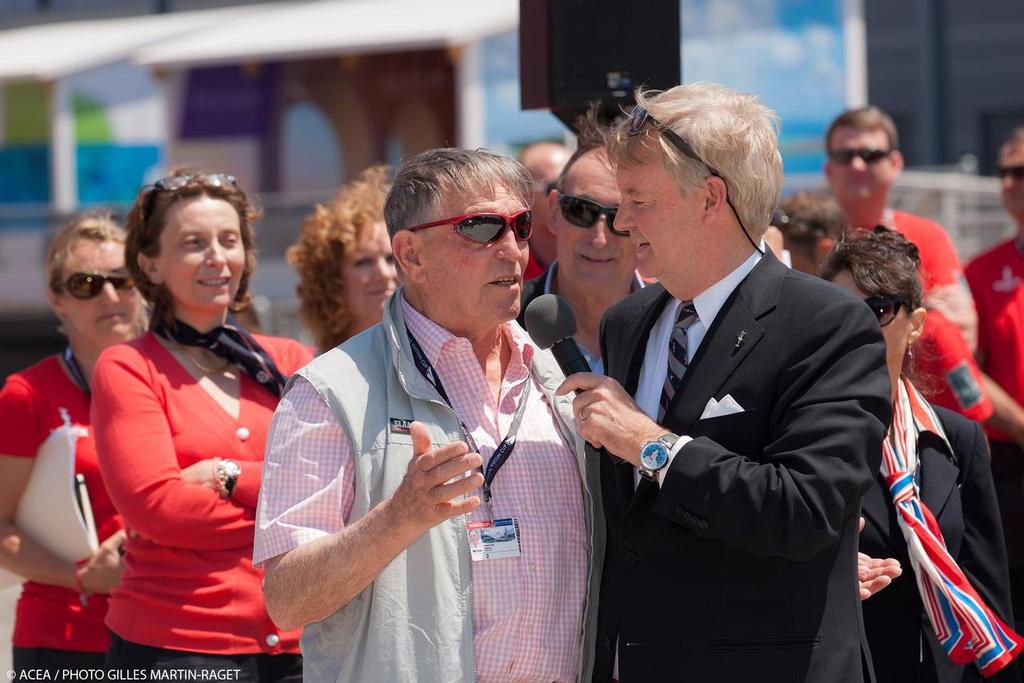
{"x":527,"y":611}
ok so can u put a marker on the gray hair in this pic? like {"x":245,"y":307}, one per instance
{"x":424,"y":181}
{"x":733,"y":132}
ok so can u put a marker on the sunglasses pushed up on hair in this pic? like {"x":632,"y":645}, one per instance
{"x":176,"y":182}
{"x":485,"y":228}
{"x":88,"y":285}
{"x":584,"y":213}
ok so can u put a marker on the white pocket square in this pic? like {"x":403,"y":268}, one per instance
{"x":727,"y":406}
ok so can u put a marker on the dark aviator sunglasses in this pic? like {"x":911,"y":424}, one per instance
{"x":885,"y":308}
{"x":585,"y":213}
{"x":88,"y":285}
{"x":867,"y":155}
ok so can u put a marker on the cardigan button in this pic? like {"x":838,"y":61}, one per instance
{"x":243,"y":433}
{"x":273,"y":639}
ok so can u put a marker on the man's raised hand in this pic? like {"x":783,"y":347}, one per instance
{"x":434,"y":479}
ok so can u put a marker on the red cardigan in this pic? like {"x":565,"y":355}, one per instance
{"x":189,"y":582}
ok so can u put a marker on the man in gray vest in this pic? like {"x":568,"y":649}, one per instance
{"x":427,"y":512}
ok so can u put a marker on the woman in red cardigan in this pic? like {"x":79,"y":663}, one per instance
{"x":58,"y":623}
{"x":181,"y":417}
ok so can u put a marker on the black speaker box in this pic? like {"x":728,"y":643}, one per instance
{"x":574,"y":52}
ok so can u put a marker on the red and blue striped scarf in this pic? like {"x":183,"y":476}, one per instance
{"x":965,"y":626}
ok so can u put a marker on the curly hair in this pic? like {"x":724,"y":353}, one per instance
{"x":145,"y":222}
{"x":330,"y":232}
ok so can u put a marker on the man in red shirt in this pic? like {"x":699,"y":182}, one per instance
{"x":863,"y":163}
{"x":995,"y":279}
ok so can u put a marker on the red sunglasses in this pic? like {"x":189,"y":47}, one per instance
{"x":485,"y":228}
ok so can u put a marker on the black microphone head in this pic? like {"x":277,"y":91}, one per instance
{"x":549,"y":319}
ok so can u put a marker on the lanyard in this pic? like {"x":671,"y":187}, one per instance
{"x":76,"y":370}
{"x":504,"y":450}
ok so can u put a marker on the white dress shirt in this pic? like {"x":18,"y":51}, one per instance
{"x":655,"y":369}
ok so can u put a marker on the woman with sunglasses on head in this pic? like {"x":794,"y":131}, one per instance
{"x":181,"y":416}
{"x":933,"y":506}
{"x":59,"y":618}
{"x":343,"y":258}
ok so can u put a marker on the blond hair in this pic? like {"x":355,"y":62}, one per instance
{"x":734,"y":134}
{"x":94,"y":226}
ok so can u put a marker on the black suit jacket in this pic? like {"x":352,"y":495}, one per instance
{"x":742,"y":566}
{"x":957,"y":487}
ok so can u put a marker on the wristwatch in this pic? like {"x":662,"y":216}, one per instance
{"x":654,"y":454}
{"x":228,"y":472}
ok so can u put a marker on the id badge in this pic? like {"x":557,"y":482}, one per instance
{"x":493,"y":539}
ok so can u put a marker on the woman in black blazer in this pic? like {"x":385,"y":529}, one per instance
{"x":953,"y":477}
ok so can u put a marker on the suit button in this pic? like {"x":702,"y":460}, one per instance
{"x":630,"y":558}
{"x":273,"y":639}
{"x":606,"y":643}
{"x":242,"y":433}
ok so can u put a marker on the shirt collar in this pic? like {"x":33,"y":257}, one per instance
{"x":637,"y":284}
{"x":437,"y":341}
{"x":709,"y":302}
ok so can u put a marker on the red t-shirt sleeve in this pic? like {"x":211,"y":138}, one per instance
{"x":140,"y":466}
{"x":19,"y":419}
{"x":951,"y":373}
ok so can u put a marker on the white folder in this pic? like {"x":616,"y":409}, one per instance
{"x":55,"y":509}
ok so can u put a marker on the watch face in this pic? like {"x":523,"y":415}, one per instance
{"x":654,"y":456}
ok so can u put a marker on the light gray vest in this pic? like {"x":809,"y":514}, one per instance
{"x":413,"y":624}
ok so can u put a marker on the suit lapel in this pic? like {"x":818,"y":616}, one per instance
{"x":732,"y":336}
{"x":938,"y":476}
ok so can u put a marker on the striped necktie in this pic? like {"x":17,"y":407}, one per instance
{"x":678,"y":360}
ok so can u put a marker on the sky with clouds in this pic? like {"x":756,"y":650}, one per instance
{"x":788,"y":52}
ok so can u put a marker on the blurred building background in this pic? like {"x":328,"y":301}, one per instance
{"x":98,"y":97}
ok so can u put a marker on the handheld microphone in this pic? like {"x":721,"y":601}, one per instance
{"x":552,"y":325}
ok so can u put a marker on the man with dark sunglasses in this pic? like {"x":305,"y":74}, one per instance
{"x":863,"y":163}
{"x":995,"y":278}
{"x":428,"y":512}
{"x":740,"y":422}
{"x":596,"y":266}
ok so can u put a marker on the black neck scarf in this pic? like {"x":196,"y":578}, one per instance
{"x":235,"y":344}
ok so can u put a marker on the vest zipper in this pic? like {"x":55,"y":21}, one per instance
{"x":465,"y":518}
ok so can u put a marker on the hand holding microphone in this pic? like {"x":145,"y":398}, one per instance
{"x":606,"y":416}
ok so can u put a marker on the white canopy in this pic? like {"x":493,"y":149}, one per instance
{"x":46,"y":52}
{"x":332,"y":27}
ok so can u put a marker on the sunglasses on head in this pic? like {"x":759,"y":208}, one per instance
{"x":88,"y":285}
{"x":485,"y":228}
{"x":1015,"y":172}
{"x":640,"y":117}
{"x":584,"y":213}
{"x":885,"y":308}
{"x":868,"y":155}
{"x":176,"y":182}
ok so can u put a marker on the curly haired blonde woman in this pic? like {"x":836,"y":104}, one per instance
{"x":343,"y":258}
